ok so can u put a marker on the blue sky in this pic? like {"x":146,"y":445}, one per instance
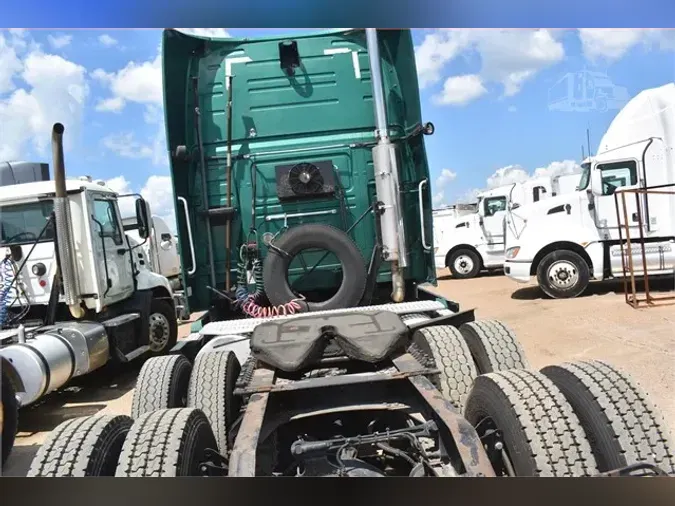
{"x":486,"y":91}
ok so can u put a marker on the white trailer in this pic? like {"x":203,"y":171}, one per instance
{"x":474,"y":242}
{"x":572,"y":239}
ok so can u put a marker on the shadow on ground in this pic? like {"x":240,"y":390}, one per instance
{"x":657,"y":287}
{"x":19,"y":460}
{"x":445,"y":274}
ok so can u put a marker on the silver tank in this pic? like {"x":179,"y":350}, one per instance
{"x":58,"y":353}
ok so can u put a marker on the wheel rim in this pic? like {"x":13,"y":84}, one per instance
{"x":159,"y":331}
{"x":563,"y":274}
{"x":463,"y":264}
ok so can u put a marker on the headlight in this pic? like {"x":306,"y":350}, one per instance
{"x":512,"y":252}
{"x":39,"y":269}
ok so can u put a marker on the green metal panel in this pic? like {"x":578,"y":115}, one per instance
{"x":323,"y":112}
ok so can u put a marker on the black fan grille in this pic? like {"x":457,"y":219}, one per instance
{"x":305,"y":179}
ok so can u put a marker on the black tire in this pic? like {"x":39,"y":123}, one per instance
{"x":166,"y":443}
{"x":447,"y":351}
{"x":494,"y":346}
{"x":88,"y":446}
{"x":623,"y":425}
{"x":572,"y":265}
{"x":10,"y":417}
{"x":212,"y":384}
{"x":456,"y":257}
{"x":163,"y":309}
{"x":162,"y":384}
{"x":325,"y":237}
{"x":541,"y":434}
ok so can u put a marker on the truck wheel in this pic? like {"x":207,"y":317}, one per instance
{"x":163,"y":327}
{"x":212,"y":391}
{"x":445,"y":349}
{"x":10,"y":417}
{"x":88,"y":446}
{"x":166,"y":443}
{"x":162,"y":384}
{"x":540,"y":434}
{"x":622,"y":424}
{"x":563,"y":274}
{"x":494,"y":346}
{"x":464,"y":264}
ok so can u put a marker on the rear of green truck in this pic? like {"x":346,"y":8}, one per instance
{"x":268,"y":135}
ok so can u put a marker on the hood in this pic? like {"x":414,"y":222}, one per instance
{"x":516,"y":220}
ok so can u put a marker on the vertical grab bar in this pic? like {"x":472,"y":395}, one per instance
{"x":192,"y":245}
{"x":421,"y":205}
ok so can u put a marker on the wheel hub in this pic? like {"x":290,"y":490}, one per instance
{"x":463,"y":264}
{"x":159,"y":331}
{"x":563,"y":274}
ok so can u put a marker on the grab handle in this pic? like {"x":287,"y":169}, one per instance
{"x":421,"y":204}
{"x":189,"y":228}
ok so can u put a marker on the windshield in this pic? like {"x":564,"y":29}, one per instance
{"x":585,"y":176}
{"x":22,"y":223}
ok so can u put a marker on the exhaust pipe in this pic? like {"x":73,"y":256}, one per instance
{"x":386,"y":177}
{"x":64,"y":235}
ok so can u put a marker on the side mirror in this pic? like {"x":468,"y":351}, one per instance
{"x":596,"y":182}
{"x":515,"y":205}
{"x":142,"y":219}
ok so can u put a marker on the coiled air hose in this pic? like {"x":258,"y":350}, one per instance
{"x":252,"y":303}
{"x":8,"y":273}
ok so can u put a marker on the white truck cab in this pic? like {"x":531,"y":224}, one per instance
{"x":473,"y":242}
{"x":574,"y":238}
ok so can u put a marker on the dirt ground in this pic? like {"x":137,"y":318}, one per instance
{"x":598,"y":325}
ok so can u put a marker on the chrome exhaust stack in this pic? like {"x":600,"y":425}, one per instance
{"x":386,"y":177}
{"x":64,"y":236}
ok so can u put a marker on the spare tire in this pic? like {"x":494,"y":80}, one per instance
{"x":325,"y":237}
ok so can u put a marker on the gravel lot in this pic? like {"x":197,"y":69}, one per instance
{"x":598,"y":325}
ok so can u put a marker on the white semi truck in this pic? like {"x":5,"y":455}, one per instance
{"x":76,"y":292}
{"x":571,"y":239}
{"x":474,"y":242}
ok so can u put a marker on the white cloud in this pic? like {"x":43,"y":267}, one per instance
{"x":447,"y":176}
{"x":517,"y":174}
{"x":120,"y":185}
{"x":611,"y":44}
{"x":126,"y":146}
{"x":438,"y":199}
{"x":436,"y":50}
{"x":460,"y":90}
{"x":206,"y":32}
{"x":113,"y":104}
{"x":558,"y":169}
{"x":59,"y":41}
{"x":469,"y":196}
{"x":55,"y":90}
{"x":507,"y":175}
{"x":107,"y":40}
{"x":158,"y":191}
{"x":10,"y":65}
{"x":136,"y":82}
{"x":509,"y":57}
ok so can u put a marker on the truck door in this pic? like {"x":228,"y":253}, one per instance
{"x":493,"y":218}
{"x":111,"y":252}
{"x":615,"y":175}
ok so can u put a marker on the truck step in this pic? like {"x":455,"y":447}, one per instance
{"x":245,"y":326}
{"x":137,"y":353}
{"x":121,"y":320}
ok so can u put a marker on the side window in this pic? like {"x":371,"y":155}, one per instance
{"x":616,"y":175}
{"x":104,"y":214}
{"x":494,"y":204}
